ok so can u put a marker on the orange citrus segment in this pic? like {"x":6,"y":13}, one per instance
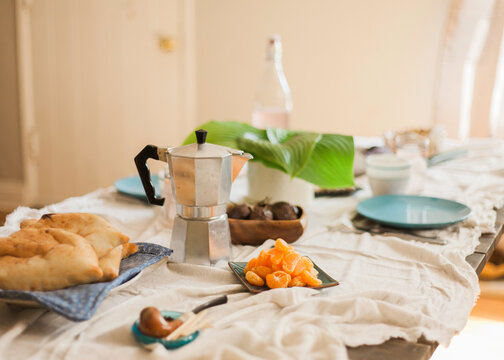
{"x":300,"y":267}
{"x":281,"y":245}
{"x":297,"y":281}
{"x":276,"y":256}
{"x":278,"y":279}
{"x":308,"y":262}
{"x":277,"y":267}
{"x":290,"y":261}
{"x":253,"y":278}
{"x":262,"y":271}
{"x":310,"y":279}
{"x":263,"y":259}
{"x":250,"y":265}
{"x":303,"y":264}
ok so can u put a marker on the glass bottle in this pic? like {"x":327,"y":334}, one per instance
{"x":273,"y":102}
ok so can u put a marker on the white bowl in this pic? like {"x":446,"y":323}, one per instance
{"x":388,"y":173}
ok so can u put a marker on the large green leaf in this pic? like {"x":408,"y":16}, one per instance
{"x":290,"y":157}
{"x":225,"y":133}
{"x":325,"y":160}
{"x":331,"y":164}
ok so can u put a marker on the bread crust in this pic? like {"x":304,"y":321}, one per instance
{"x":46,"y":259}
{"x":106,"y":240}
{"x":129,"y":249}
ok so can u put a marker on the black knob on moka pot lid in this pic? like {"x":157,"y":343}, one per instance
{"x":201,"y":136}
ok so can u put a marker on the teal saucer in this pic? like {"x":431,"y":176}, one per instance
{"x":147,"y":341}
{"x":413,"y":212}
{"x":132,"y":186}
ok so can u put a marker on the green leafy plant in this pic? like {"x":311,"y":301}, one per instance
{"x":325,"y":160}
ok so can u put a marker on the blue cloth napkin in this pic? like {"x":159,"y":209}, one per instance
{"x":79,"y":303}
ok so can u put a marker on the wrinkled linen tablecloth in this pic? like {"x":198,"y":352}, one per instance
{"x":389,"y":287}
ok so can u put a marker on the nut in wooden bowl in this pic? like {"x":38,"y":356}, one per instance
{"x":260,"y":223}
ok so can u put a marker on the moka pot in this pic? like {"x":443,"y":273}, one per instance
{"x":201,"y":177}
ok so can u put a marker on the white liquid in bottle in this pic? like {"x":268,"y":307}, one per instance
{"x":270,"y":118}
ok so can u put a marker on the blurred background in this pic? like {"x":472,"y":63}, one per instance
{"x":84,"y":84}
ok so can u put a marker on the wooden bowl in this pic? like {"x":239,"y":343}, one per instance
{"x":255,"y":232}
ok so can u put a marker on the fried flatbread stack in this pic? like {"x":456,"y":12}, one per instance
{"x":62,"y":250}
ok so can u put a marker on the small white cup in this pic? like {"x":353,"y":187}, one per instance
{"x":388,"y":173}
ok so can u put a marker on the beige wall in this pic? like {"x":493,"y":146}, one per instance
{"x":355,"y":67}
{"x":103,"y":89}
{"x":11,"y":164}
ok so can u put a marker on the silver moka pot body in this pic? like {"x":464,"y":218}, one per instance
{"x":201,"y":177}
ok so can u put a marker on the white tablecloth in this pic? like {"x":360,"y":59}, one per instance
{"x":389,"y":287}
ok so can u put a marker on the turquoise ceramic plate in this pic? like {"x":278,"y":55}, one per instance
{"x":414,"y":212}
{"x":132,"y":186}
{"x":238,"y":267}
{"x":147,"y":341}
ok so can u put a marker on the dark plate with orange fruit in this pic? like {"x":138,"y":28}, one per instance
{"x":280,"y":267}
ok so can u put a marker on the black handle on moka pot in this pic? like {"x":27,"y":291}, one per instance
{"x":148,"y":152}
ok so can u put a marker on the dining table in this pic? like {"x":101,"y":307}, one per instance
{"x":396,"y":299}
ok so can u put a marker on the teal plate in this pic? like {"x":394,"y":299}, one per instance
{"x":238,"y":268}
{"x":148,"y":341}
{"x":413,"y":212}
{"x":132,"y":186}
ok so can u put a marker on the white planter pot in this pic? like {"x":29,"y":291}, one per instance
{"x":269,"y":183}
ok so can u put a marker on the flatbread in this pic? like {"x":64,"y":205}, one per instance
{"x":46,"y":259}
{"x":110,"y":263}
{"x":102,"y":236}
{"x":129,"y":249}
